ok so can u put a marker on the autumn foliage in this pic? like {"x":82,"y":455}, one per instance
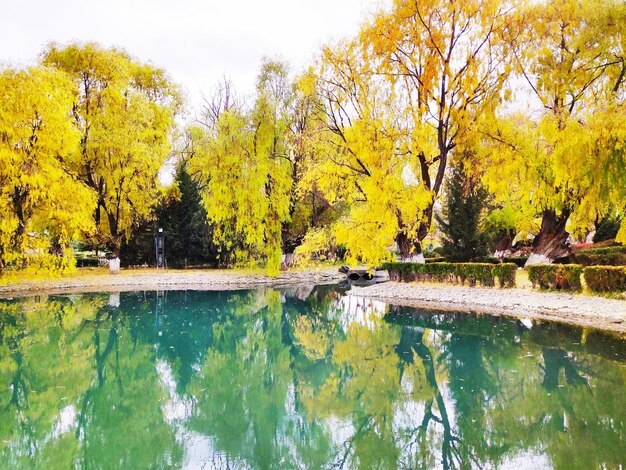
{"x":350,"y":155}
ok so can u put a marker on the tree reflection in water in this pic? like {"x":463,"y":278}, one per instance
{"x":299,"y":378}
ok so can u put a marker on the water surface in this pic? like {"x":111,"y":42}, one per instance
{"x":299,"y":378}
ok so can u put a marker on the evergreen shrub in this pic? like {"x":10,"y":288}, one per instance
{"x":608,"y":259}
{"x":556,"y":276}
{"x":484,"y":274}
{"x":607,"y":229}
{"x":605,"y":250}
{"x":505,"y":273}
{"x":605,"y":278}
{"x":605,"y":256}
{"x":430,"y":253}
{"x":520,"y":261}
{"x":87,"y":262}
{"x":486,"y":259}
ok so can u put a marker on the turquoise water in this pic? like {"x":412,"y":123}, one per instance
{"x":299,"y":378}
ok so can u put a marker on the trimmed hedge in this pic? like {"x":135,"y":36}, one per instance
{"x":604,"y":256}
{"x":556,"y":276}
{"x":605,"y":250}
{"x":505,"y":273}
{"x":601,"y":259}
{"x":457,"y":273}
{"x":486,"y":259}
{"x":605,"y":278}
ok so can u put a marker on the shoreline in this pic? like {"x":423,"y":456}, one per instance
{"x":132,"y":280}
{"x":521,"y":303}
{"x":574,"y":309}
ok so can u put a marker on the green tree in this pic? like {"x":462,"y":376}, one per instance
{"x":181,"y":215}
{"x":463,"y":211}
{"x":185,"y":224}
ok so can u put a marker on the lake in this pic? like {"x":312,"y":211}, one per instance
{"x":300,"y":378}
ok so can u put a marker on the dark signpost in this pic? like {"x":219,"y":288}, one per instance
{"x":159,"y":243}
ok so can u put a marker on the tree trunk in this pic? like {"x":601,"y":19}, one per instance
{"x":551,"y":242}
{"x":19,"y":200}
{"x":114,"y":244}
{"x":504,"y":243}
{"x":115,"y":239}
{"x":410,"y":250}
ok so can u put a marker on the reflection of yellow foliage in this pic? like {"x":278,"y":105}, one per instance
{"x":315,"y":340}
{"x":370,"y":378}
{"x":48,"y":360}
{"x":421,"y":389}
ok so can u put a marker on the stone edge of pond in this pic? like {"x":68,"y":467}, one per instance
{"x":598,"y":313}
{"x":128,"y":282}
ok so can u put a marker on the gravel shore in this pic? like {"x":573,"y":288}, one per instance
{"x":575,"y":309}
{"x":129,"y":280}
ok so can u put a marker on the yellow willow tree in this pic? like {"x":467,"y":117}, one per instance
{"x":398,"y":100}
{"x":245,"y":167}
{"x":353,"y":163}
{"x":43,"y":206}
{"x":310,"y":213}
{"x":125,"y":112}
{"x":564,"y":157}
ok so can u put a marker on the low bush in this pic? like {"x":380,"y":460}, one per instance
{"x":505,"y":273}
{"x":556,"y":276}
{"x":435,"y":259}
{"x":484,"y":274}
{"x":487,"y":259}
{"x":605,"y":250}
{"x":475,"y":272}
{"x":430,"y":253}
{"x":602,"y":256}
{"x":605,"y":278}
{"x":520,"y":261}
{"x":601,"y":259}
{"x":87,"y":262}
{"x":605,"y":243}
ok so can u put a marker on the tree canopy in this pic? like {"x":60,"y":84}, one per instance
{"x":348,"y":156}
{"x":38,"y":145}
{"x":124,"y":112}
{"x":566,"y":160}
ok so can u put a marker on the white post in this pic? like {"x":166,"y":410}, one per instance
{"x":114,"y":266}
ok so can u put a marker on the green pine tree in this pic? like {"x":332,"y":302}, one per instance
{"x":465,"y":200}
{"x":188,"y":235}
{"x":607,"y":227}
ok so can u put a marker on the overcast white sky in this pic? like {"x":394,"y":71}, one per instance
{"x":196,"y":41}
